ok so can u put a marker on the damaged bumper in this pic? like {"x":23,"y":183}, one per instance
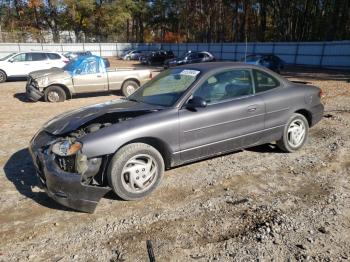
{"x":64,"y":187}
{"x":32,"y":92}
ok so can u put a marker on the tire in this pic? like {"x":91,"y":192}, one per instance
{"x":129,"y":87}
{"x":136,"y":183}
{"x":128,"y":58}
{"x":54,"y":94}
{"x":3,"y":76}
{"x":295,"y":134}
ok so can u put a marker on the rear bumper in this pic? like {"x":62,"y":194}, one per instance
{"x":65,"y":188}
{"x":317,"y":114}
{"x":33,"y":93}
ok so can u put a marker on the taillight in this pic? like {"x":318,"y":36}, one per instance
{"x":321,"y":94}
{"x":66,"y":61}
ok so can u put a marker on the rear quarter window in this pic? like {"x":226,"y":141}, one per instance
{"x":53,"y":56}
{"x":264,"y":81}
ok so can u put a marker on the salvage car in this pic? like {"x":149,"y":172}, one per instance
{"x":182,"y":115}
{"x":131,"y":55}
{"x":272,"y":62}
{"x":83,"y":75}
{"x":156,"y":57}
{"x":189,"y":57}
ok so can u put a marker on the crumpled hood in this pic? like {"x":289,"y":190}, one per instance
{"x":72,"y":120}
{"x":52,"y":72}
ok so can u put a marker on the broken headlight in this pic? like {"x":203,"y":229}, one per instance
{"x":42,"y":82}
{"x":66,"y":148}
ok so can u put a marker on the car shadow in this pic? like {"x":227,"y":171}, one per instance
{"x":19,"y":169}
{"x":265,"y":148}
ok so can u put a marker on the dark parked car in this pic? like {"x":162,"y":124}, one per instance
{"x":182,"y":115}
{"x":190,"y":58}
{"x":270,"y":61}
{"x":131,"y":55}
{"x":75,"y":55}
{"x":156,"y":57}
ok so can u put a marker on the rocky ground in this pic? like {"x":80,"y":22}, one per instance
{"x":254,"y":205}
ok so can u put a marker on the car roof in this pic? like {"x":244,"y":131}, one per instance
{"x":213,"y":66}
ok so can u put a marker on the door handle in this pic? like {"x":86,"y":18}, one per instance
{"x":99,"y":76}
{"x":26,"y":64}
{"x":251,"y":108}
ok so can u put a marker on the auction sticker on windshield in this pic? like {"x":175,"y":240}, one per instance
{"x":188,"y":72}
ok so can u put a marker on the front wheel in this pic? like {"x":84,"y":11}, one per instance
{"x":295,"y":134}
{"x":129,"y":87}
{"x":54,"y":94}
{"x":3,"y":76}
{"x":135,"y":171}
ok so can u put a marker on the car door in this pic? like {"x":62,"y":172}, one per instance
{"x":193,"y":58}
{"x":232,"y":119}
{"x":272,"y":92}
{"x":37,"y":61}
{"x":17,"y":65}
{"x":90,"y":76}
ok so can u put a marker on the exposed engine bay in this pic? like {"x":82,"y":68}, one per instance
{"x":67,"y":149}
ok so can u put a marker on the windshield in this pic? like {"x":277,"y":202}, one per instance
{"x":6,"y":57}
{"x":166,"y":88}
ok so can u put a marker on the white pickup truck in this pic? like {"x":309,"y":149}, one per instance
{"x":84,"y":75}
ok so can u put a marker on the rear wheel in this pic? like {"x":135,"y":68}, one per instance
{"x":129,"y":87}
{"x":295,"y":134}
{"x":135,"y":171}
{"x":3,"y":76}
{"x":54,"y":94}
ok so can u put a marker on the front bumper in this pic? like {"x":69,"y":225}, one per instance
{"x":32,"y":92}
{"x":65,"y":188}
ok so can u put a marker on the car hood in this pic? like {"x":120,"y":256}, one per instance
{"x":52,"y":72}
{"x":72,"y":120}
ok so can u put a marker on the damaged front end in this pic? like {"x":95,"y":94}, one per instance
{"x":32,"y":90}
{"x":71,"y":174}
{"x":67,"y":175}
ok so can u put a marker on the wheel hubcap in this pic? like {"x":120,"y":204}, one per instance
{"x":296,"y":133}
{"x":139,"y":173}
{"x":2,"y":77}
{"x":130,"y":89}
{"x":53,"y":96}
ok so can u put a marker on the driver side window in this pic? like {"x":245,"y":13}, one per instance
{"x":19,"y":58}
{"x":225,"y":86}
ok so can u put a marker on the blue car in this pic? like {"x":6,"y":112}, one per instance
{"x":270,"y":61}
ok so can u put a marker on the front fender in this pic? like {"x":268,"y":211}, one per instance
{"x":161,"y":126}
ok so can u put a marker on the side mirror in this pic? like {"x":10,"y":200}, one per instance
{"x":196,"y":102}
{"x":10,"y":60}
{"x":77,"y":71}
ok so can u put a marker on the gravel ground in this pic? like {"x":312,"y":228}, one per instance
{"x":257,"y":204}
